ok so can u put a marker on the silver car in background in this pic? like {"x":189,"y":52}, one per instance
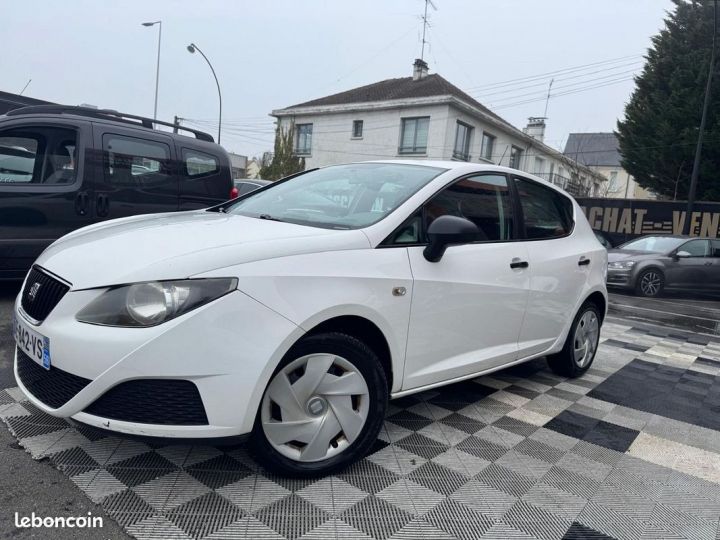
{"x":651,"y":264}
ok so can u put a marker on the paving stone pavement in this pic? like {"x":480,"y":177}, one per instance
{"x":631,"y":450}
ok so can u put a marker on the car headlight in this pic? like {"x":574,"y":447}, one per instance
{"x":153,"y":302}
{"x":621,"y":265}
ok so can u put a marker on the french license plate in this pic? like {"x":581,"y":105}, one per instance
{"x":32,"y":343}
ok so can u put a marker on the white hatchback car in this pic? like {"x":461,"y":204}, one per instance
{"x":295,"y":312}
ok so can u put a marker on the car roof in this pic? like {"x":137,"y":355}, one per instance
{"x":468,"y":168}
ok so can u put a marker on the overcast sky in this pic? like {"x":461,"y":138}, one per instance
{"x":275,"y":53}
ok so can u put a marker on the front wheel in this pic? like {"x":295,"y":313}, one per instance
{"x":323,"y":407}
{"x":578,"y":353}
{"x":650,"y":283}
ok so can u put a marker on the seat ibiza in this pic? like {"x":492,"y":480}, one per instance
{"x":294,"y":313}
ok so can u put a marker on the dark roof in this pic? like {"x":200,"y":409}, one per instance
{"x":402,"y":88}
{"x":9,"y":101}
{"x":593,"y":149}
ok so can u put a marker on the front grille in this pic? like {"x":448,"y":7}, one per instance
{"x":54,"y":387}
{"x":171,"y":402}
{"x":41,"y":294}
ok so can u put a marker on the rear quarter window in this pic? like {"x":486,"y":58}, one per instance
{"x":197,"y":164}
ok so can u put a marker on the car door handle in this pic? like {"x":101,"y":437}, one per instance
{"x":584,"y":261}
{"x":517,"y":263}
{"x":81,"y":203}
{"x":102,"y":205}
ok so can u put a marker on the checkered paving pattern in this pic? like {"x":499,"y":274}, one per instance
{"x":630,"y":451}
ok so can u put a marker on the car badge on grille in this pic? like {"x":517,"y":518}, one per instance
{"x":33,"y":290}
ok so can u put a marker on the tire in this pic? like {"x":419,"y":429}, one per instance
{"x":584,"y":333}
{"x":303,"y":399}
{"x":650,"y":283}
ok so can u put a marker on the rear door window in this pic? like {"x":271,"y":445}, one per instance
{"x":547,"y":213}
{"x":715,"y":248}
{"x":38,"y":155}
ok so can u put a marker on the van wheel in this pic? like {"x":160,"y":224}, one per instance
{"x":581,"y":345}
{"x":323,"y":407}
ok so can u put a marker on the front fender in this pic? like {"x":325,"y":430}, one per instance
{"x":312,"y":288}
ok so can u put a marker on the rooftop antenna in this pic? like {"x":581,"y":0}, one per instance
{"x":426,"y":23}
{"x":547,"y":101}
{"x":25,"y":87}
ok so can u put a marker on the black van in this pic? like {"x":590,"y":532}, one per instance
{"x":62,"y":168}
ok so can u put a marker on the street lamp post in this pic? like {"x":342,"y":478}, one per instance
{"x":157,"y":71}
{"x":192,"y":48}
{"x":701,"y":131}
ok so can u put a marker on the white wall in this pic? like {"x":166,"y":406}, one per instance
{"x":332,"y":140}
{"x":626,"y":187}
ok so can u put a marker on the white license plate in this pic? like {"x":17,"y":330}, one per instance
{"x":32,"y":343}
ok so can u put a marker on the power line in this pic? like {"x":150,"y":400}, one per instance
{"x":611,"y":77}
{"x":576,"y":91}
{"x":543,"y":83}
{"x":549,"y":74}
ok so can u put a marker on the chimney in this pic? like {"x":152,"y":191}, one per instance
{"x":536,"y":127}
{"x":420,"y":69}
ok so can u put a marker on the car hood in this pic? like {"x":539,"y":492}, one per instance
{"x":631,"y":255}
{"x":180,"y":245}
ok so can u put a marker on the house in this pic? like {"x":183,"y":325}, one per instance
{"x":238,"y":164}
{"x":601,"y":153}
{"x":425,"y":117}
{"x":253,"y":168}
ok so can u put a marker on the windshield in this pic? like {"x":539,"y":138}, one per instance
{"x":659,"y":244}
{"x":340,"y":197}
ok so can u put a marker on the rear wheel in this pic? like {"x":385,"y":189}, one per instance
{"x":650,"y":283}
{"x":323,"y":407}
{"x":581,"y":345}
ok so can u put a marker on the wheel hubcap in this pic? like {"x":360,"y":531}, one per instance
{"x":586,"y":338}
{"x":315,"y":407}
{"x":650,"y":283}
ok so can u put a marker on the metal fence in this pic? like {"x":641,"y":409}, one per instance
{"x":573,"y":186}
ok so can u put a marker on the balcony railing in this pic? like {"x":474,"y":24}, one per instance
{"x":572,"y":186}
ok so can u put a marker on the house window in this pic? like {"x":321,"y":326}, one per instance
{"x":613,"y":184}
{"x":357,"y":129}
{"x":303,"y":139}
{"x":539,"y":166}
{"x":414,"y":135}
{"x":488,"y":145}
{"x":463,"y":133}
{"x":516,"y":154}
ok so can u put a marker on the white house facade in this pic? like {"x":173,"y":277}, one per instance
{"x":424,"y":117}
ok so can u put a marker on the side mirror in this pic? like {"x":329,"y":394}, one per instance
{"x":448,"y":230}
{"x":682,"y":255}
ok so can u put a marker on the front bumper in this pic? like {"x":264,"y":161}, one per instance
{"x":228,"y":349}
{"x":620,"y":278}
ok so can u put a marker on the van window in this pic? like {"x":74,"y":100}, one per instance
{"x":38,"y":155}
{"x":135,"y":162}
{"x":547,"y":213}
{"x":199,"y":163}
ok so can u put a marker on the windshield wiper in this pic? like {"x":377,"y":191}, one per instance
{"x":269,"y":217}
